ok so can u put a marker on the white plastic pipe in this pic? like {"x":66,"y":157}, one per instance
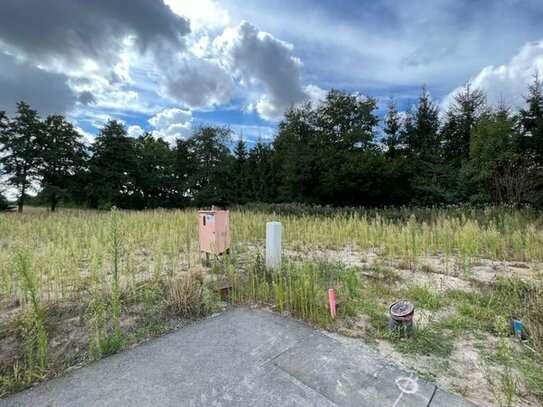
{"x":273,"y":245}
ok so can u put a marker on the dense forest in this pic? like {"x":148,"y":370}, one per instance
{"x":338,"y":152}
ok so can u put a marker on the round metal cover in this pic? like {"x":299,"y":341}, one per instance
{"x":401,"y":309}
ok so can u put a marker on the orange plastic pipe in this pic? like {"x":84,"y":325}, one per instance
{"x":332,"y":302}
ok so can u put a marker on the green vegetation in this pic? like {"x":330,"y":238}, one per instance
{"x":337,"y":152}
{"x":442,"y":209}
{"x":423,"y":297}
{"x":102,"y":281}
{"x":427,"y":341}
{"x":32,"y":320}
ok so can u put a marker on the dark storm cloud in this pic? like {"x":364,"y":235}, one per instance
{"x":58,"y":35}
{"x":198,"y":83}
{"x":87,"y":98}
{"x":47,"y":92}
{"x":71,"y":29}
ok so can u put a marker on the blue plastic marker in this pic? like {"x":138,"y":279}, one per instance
{"x":517,"y":327}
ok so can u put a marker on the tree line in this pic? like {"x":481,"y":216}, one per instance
{"x":336,"y":152}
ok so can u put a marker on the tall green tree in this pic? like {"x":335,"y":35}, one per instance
{"x":492,"y":146}
{"x":392,"y":127}
{"x":22,"y":142}
{"x":208,"y":164}
{"x":155,"y":173}
{"x":4,"y":125}
{"x":347,"y":121}
{"x":422,"y":139}
{"x":460,"y":120}
{"x":4,"y":121}
{"x":113,"y":169}
{"x":63,"y":158}
{"x":345,"y":125}
{"x":184,"y":166}
{"x":240,"y":174}
{"x":262,"y":174}
{"x":421,"y":129}
{"x":3,"y":202}
{"x":295,"y":156}
{"x":531,"y":119}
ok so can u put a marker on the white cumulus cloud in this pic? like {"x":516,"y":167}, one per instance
{"x":134,"y":131}
{"x":172,"y":124}
{"x":257,"y":58}
{"x":508,"y":81}
{"x":203,"y":14}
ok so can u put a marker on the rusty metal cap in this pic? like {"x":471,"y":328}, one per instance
{"x":401,"y":309}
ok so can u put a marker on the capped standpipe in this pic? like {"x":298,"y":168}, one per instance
{"x":401,"y":318}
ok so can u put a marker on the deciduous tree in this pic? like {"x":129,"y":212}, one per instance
{"x":22,"y":142}
{"x":155,"y":174}
{"x":113,"y":167}
{"x":63,"y":159}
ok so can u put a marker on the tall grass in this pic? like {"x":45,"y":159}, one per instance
{"x":115,"y":301}
{"x":134,"y":266}
{"x":494,"y":233}
{"x":298,"y":288}
{"x":32,"y":318}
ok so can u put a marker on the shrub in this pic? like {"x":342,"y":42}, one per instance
{"x":190,"y":297}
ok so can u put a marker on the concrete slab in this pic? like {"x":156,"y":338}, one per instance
{"x":446,"y":399}
{"x":352,"y":376}
{"x":243,"y":357}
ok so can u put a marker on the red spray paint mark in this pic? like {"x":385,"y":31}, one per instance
{"x":332,"y":302}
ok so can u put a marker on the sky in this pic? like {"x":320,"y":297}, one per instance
{"x":167,"y":67}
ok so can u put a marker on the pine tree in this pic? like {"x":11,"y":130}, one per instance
{"x":392,"y":128}
{"x":531,"y":119}
{"x":261,"y":178}
{"x":240,"y":172}
{"x":4,"y":125}
{"x":423,"y":148}
{"x":421,"y":129}
{"x":4,"y":121}
{"x":461,"y":118}
{"x":185,"y":165}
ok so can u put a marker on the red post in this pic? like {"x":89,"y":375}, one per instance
{"x":332,"y":302}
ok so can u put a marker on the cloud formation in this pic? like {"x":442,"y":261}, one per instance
{"x":172,"y":124}
{"x":103,"y":55}
{"x":385,"y":45}
{"x":72,"y":31}
{"x":258,"y":58}
{"x":62,"y":53}
{"x":46,"y":91}
{"x":135,"y":60}
{"x":134,"y":131}
{"x":198,"y":83}
{"x":508,"y":82}
{"x":204,"y":15}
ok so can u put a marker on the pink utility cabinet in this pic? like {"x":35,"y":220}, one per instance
{"x":214,"y":228}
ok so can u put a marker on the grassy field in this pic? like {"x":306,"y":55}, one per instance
{"x":79,"y":285}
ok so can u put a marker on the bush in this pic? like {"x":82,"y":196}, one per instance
{"x":190,"y":297}
{"x":4,"y":204}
